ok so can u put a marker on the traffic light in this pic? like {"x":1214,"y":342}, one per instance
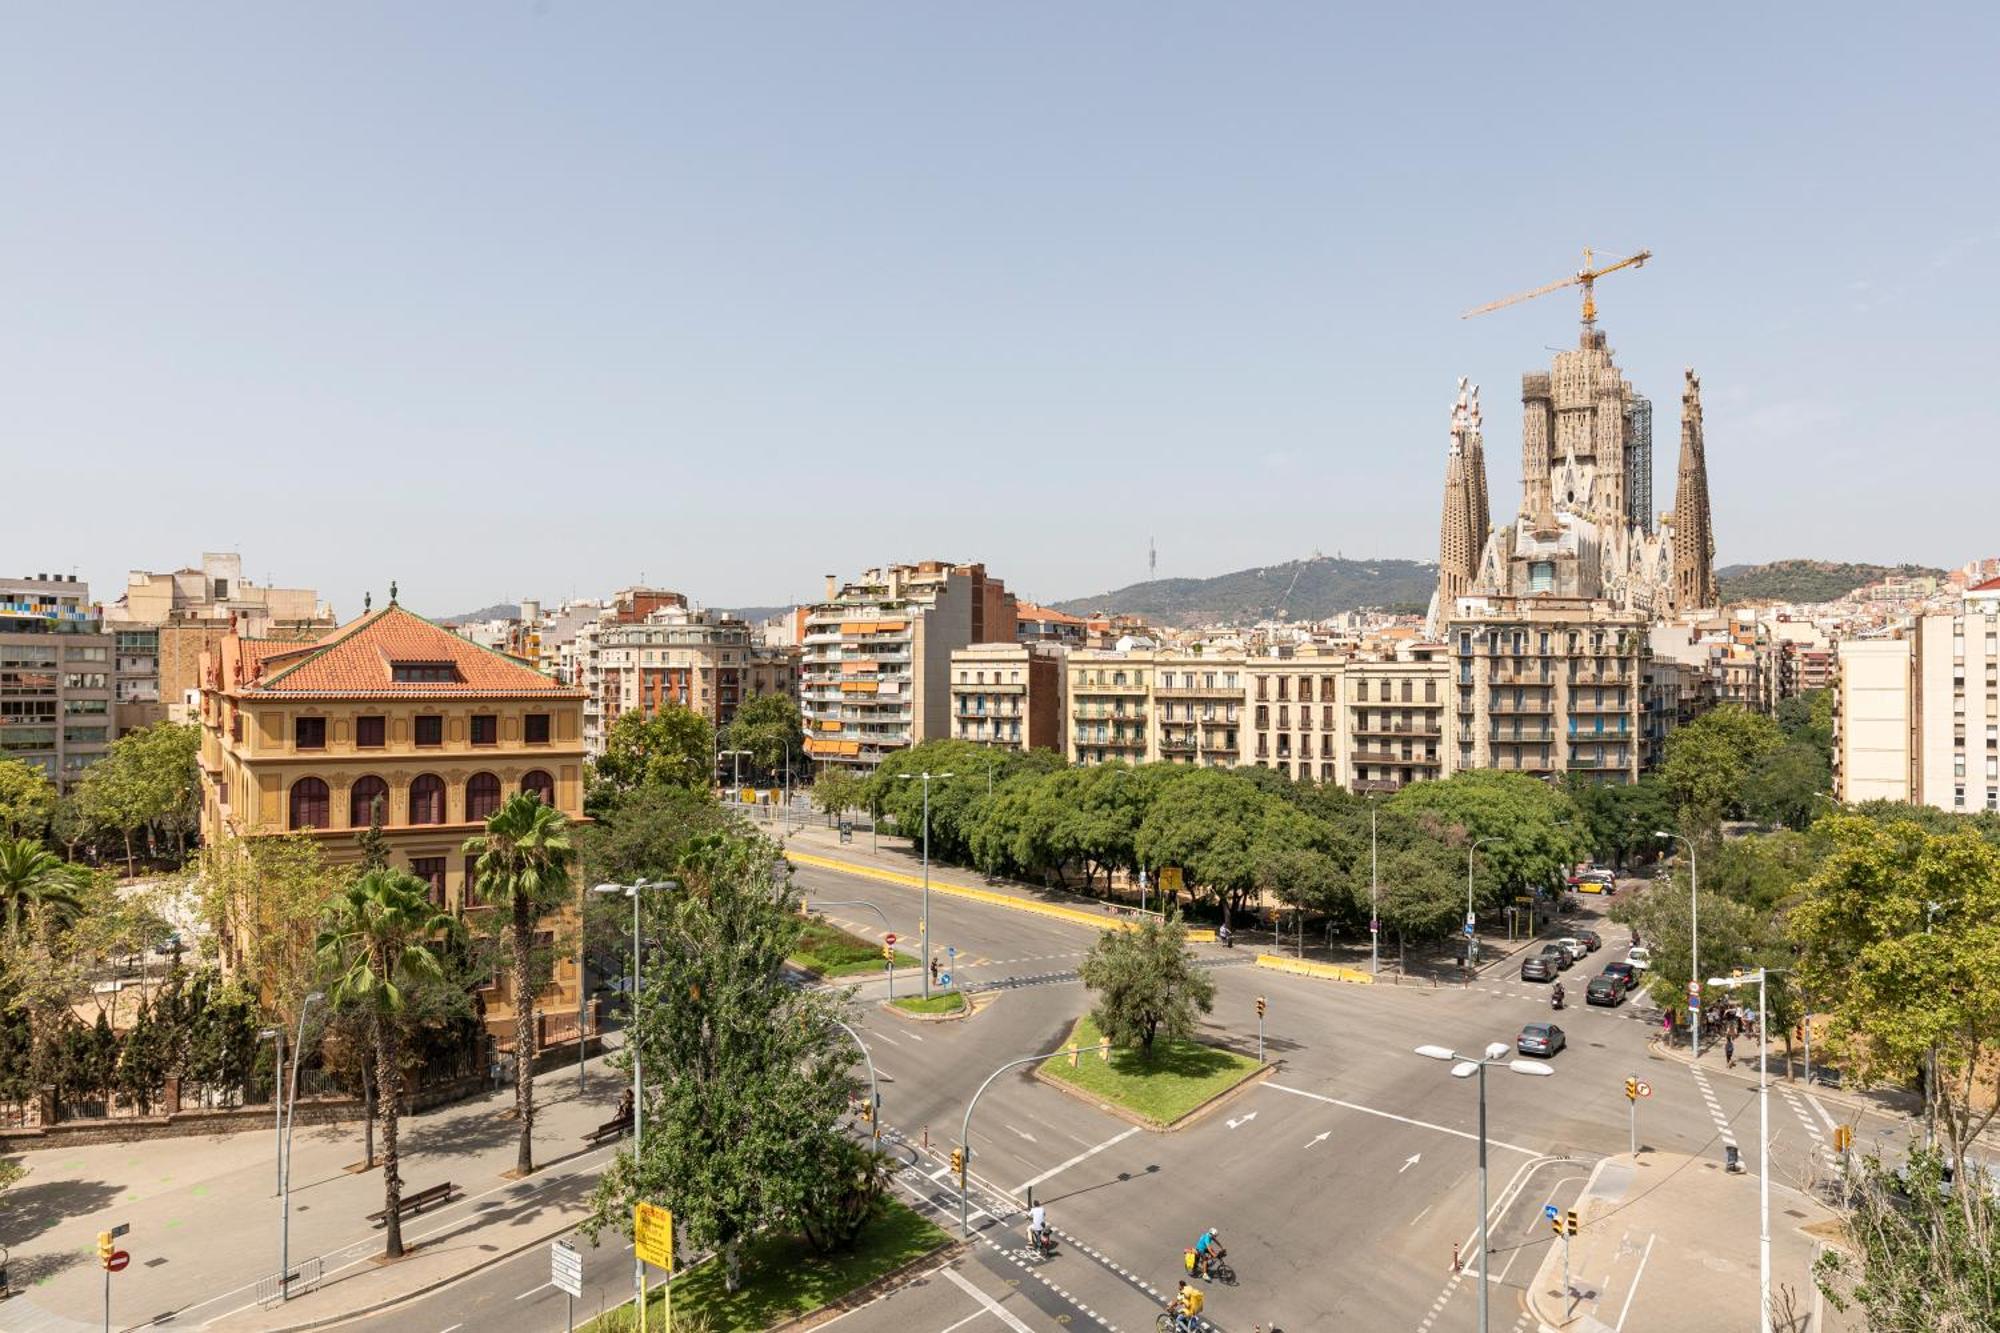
{"x":1843,"y":1138}
{"x":105,"y":1249}
{"x":1260,"y":1006}
{"x":889,"y":952}
{"x":1631,"y":1089}
{"x":1569,"y":1223}
{"x":958,"y":1161}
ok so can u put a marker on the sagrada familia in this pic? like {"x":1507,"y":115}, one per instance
{"x":1586,"y":529}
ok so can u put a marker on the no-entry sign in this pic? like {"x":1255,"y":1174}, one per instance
{"x":890,"y":938}
{"x":116,"y":1263}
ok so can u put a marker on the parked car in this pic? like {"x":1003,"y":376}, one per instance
{"x":1539,"y":1039}
{"x":1591,"y":940}
{"x":1605,"y":990}
{"x":1625,"y":972}
{"x":1558,"y":955}
{"x":1640,"y":958}
{"x":1538,"y":968}
{"x":1578,"y":950}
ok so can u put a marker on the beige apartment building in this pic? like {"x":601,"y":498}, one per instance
{"x":1010,"y":695}
{"x":1399,"y":725}
{"x":1550,"y":685}
{"x":875,"y":676}
{"x":1296,"y":721}
{"x":1872,"y":736}
{"x":704,"y":661}
{"x":1148,"y":704}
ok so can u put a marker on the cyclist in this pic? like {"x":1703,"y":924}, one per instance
{"x":1038,"y":1225}
{"x":1186,"y":1308}
{"x":1207,"y":1249}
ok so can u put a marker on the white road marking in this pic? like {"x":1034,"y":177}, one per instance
{"x":992,"y":1306}
{"x":1321,"y":1137}
{"x":1403,"y":1119}
{"x":1243,"y":1121}
{"x":1022,"y":1132}
{"x":1413,"y":1159}
{"x":1086,"y":1154}
{"x":532,"y":1290}
{"x":976,"y":1314}
{"x":453,"y":1329}
{"x":1633,"y":1290}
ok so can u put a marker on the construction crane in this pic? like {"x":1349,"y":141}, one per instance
{"x":1585,"y":276}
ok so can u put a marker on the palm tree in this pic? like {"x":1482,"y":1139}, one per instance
{"x":377,"y":942}
{"x":524,"y":865}
{"x":34,"y":879}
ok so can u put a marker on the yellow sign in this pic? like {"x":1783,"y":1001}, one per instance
{"x":1170,"y":879}
{"x":653,"y":1235}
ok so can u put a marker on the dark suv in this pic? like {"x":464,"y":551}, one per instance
{"x":1591,"y":939}
{"x":1604,"y":990}
{"x":1625,"y":973}
{"x":1538,"y":968}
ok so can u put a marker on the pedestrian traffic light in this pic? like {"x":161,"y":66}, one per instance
{"x":958,"y":1161}
{"x":1260,"y":1006}
{"x":1569,"y":1223}
{"x":1631,"y":1089}
{"x":1843,"y":1138}
{"x":106,"y":1247}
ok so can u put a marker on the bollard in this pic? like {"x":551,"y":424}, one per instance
{"x":1732,"y":1160}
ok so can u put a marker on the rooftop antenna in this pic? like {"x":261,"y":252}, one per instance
{"x":1152,"y":558}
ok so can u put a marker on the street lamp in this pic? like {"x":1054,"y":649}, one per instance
{"x":1763,"y":1143}
{"x":285,"y":1158}
{"x":277,"y":1034}
{"x":1374,"y":900}
{"x":631,"y":1019}
{"x":1463,"y":1067}
{"x":925,"y":929}
{"x":1694,"y":936}
{"x":1472,"y":940}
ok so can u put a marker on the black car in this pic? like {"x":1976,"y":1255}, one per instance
{"x":1558,"y":955}
{"x":1622,"y":970}
{"x":1538,"y":968}
{"x":1540,"y":1039}
{"x":1605,"y":990}
{"x":1591,"y":939}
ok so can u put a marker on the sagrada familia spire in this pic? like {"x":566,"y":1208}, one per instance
{"x":1466,"y":519}
{"x":1693,"y":536}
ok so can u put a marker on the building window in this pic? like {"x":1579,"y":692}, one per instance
{"x":430,"y":869}
{"x":370,"y":733}
{"x":427,"y":799}
{"x":309,"y":733}
{"x":535,"y":728}
{"x":309,"y":804}
{"x":430,"y":730}
{"x":485,"y":729}
{"x":362,"y":800}
{"x":482,"y":795}
{"x":541,"y":784}
{"x":423,"y":673}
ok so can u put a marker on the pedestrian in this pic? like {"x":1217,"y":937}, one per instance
{"x":1667,"y":1024}
{"x":1729,"y":1051}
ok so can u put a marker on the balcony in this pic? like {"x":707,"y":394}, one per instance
{"x":1542,"y":737}
{"x":1509,"y":676}
{"x":1431,"y":728}
{"x":1524,"y":706}
{"x":1105,"y":715}
{"x":1588,"y":675}
{"x":1198,"y":692}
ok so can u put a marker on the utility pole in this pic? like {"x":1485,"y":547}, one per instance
{"x":1374,"y":894}
{"x":925,"y":928}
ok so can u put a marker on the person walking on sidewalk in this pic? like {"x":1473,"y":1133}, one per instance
{"x":1729,"y":1051}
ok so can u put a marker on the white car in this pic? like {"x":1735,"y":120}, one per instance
{"x":1642,"y":959}
{"x":1578,"y":950}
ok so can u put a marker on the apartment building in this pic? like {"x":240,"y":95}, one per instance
{"x":699,"y":659}
{"x":1956,"y":719}
{"x":1144,"y":704}
{"x":1296,"y":720}
{"x":1872,"y":714}
{"x":1398,"y":722}
{"x":1041,"y":624}
{"x":1549,"y":685}
{"x":56,"y":698}
{"x":1010,"y":695}
{"x":875,"y":674}
{"x":1197,"y":706}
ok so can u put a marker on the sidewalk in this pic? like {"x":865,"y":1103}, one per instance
{"x":1670,"y":1241}
{"x":1891,"y":1103}
{"x":204,"y":1212}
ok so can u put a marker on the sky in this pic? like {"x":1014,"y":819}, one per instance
{"x":544,"y":299}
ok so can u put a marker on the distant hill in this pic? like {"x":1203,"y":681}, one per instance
{"x":1295,"y":590}
{"x":1807,"y":580}
{"x":756,"y":615}
{"x":497,"y":611}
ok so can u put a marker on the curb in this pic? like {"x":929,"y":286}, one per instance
{"x":1323,"y":971}
{"x":1552,"y":1262}
{"x":1099,"y":920}
{"x":1131,"y":1117}
{"x":964,"y":1011}
{"x":945,"y":1254}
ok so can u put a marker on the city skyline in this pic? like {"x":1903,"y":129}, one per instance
{"x":1068,"y":292}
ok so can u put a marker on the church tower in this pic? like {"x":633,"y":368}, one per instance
{"x":1694,"y":537}
{"x":1459,"y":540}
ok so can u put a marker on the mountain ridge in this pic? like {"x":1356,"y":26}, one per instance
{"x":1310,"y":589}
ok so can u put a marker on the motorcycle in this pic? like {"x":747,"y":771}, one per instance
{"x":1556,"y":998}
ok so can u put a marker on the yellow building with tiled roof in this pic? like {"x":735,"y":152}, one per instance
{"x":388,"y":709}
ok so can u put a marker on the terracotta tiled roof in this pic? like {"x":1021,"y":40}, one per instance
{"x":1030,"y":611}
{"x":359,"y":658}
{"x":1991,"y":585}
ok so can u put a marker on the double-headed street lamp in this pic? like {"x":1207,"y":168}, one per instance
{"x":1694,"y":935}
{"x":632,"y":1047}
{"x":1763,"y":1142}
{"x":925,"y":929}
{"x":1465,"y":1067}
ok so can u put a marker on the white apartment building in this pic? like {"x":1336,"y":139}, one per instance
{"x":1871,"y":721}
{"x":1956,"y":665}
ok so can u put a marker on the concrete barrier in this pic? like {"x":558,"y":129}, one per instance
{"x":1080,"y":916}
{"x":1324,"y":971}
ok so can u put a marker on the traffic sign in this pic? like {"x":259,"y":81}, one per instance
{"x":1645,"y":1088}
{"x":1549,"y":1211}
{"x":1170,"y":879}
{"x":653,"y":1235}
{"x":565,"y":1268}
{"x":122,"y":1229}
{"x":890,"y":938}
{"x":944,"y":978}
{"x":951,"y":951}
{"x":116,"y":1263}
{"x":1374,"y":927}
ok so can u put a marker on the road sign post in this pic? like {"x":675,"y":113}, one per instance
{"x":1260,"y":1029}
{"x":566,"y":1275}
{"x":653,"y":1243}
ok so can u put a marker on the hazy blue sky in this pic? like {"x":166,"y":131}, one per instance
{"x":526,"y":299}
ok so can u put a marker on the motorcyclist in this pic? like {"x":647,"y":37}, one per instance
{"x":1556,"y":997}
{"x":1222,"y":933}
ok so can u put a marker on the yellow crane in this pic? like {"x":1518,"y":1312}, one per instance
{"x":1585,"y":277}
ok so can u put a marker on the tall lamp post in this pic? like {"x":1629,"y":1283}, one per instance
{"x":1465,"y":1067}
{"x":631,"y":1019}
{"x":1763,"y":1144}
{"x":285,"y":1159}
{"x":1374,"y":898}
{"x":1694,"y":934}
{"x":1471,"y":939}
{"x":925,"y":930}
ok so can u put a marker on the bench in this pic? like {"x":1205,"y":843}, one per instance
{"x":610,"y":1129}
{"x":416,"y":1203}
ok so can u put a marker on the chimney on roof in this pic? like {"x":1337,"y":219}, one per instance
{"x":832,"y":586}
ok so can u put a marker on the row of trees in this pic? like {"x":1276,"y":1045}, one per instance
{"x":142,"y":797}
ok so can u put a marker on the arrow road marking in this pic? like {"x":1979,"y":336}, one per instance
{"x":1414,"y":1158}
{"x":1022,"y":1132}
{"x":1244,"y":1121}
{"x":1322,"y":1138}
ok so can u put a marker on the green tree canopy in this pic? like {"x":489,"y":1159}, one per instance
{"x":1527,"y":831}
{"x":1144,"y":985}
{"x":675,"y":747}
{"x":767,"y":725}
{"x":27,"y":799}
{"x":1710,"y":760}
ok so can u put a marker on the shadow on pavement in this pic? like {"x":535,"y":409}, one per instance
{"x":1118,"y":1179}
{"x":34,"y":1207}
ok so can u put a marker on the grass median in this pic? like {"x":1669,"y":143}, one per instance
{"x":783,"y":1279}
{"x":945,"y":1002}
{"x":829,"y":951}
{"x":1180,"y":1076}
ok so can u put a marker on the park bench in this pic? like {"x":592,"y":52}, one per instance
{"x":415,"y":1203}
{"x":610,"y":1129}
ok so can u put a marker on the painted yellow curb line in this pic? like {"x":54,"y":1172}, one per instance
{"x":1094,"y":920}
{"x":1326,"y":971}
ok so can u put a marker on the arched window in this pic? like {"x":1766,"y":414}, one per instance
{"x":541,"y":784}
{"x":427,"y":799}
{"x":309,"y":804}
{"x":361,"y":803}
{"x":482,"y":795}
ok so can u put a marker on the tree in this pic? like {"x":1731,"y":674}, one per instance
{"x":1213,"y":824}
{"x":263,"y":900}
{"x":836,"y":792}
{"x":1900,"y":940}
{"x":1808,"y":717}
{"x":1924,"y":1255}
{"x":1421,"y":895}
{"x":524,"y":861}
{"x":27,"y":799}
{"x":643,"y":833}
{"x":374,"y":844}
{"x":1709,"y":760}
{"x":674,"y":747}
{"x":747,"y":1077}
{"x":1616,"y":820}
{"x":1782,"y":784}
{"x":376,"y":943}
{"x":1145,"y":985}
{"x":143,"y":1060}
{"x":768,"y":726}
{"x":34,"y":881}
{"x":1527,"y":832}
{"x":148,"y":783}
